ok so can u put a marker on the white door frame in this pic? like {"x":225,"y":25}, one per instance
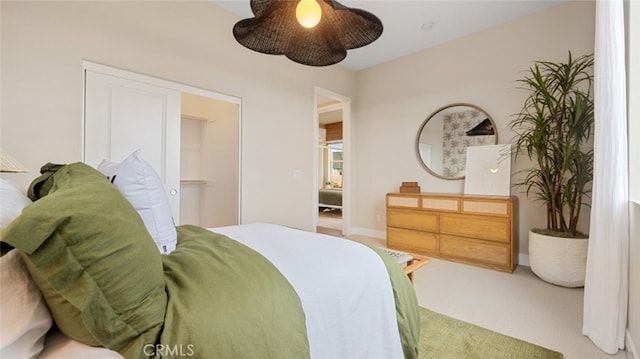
{"x":112,"y":71}
{"x":346,"y":157}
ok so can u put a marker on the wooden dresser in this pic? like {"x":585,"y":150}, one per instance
{"x":477,"y":230}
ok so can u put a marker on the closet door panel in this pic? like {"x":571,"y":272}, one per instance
{"x":123,"y":115}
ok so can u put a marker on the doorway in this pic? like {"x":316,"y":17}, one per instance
{"x":209,"y":161}
{"x":333,"y":113}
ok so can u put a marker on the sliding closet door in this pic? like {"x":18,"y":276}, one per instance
{"x":123,"y":115}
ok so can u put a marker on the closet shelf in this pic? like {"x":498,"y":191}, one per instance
{"x":191,"y":117}
{"x":197,"y":118}
{"x":192,"y":181}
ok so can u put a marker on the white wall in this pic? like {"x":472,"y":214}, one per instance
{"x":393,"y":99}
{"x":633,"y":76}
{"x":190,"y":42}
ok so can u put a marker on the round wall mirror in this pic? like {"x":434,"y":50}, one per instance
{"x":443,"y":138}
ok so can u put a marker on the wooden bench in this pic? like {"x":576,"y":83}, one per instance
{"x":410,"y":262}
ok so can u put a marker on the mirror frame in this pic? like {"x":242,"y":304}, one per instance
{"x":436,"y":112}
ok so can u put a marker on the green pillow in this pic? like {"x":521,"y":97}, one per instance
{"x":90,"y":254}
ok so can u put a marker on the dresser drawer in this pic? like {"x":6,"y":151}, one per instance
{"x":410,"y":219}
{"x":441,"y":204}
{"x":478,"y":251}
{"x":403,"y":201}
{"x":412,"y":241}
{"x":491,"y":228}
{"x":493,"y":208}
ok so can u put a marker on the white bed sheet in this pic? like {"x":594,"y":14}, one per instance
{"x":59,"y":346}
{"x":344,"y":288}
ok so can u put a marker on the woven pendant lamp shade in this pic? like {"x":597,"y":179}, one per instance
{"x":274,"y":30}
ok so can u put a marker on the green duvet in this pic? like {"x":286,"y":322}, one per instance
{"x":227,"y":301}
{"x":407,"y":310}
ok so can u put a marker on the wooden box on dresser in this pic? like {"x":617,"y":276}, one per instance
{"x":477,"y":230}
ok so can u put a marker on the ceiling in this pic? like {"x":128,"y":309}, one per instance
{"x":329,"y":110}
{"x":413,"y":25}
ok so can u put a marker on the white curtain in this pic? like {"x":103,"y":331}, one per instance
{"x":607,"y":280}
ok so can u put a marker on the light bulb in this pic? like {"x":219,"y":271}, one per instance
{"x":308,"y":13}
{"x":494,"y":169}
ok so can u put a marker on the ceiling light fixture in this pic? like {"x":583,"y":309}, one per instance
{"x":308,"y":13}
{"x":320,"y":39}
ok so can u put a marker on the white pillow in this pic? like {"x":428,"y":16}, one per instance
{"x":24,"y":316}
{"x":13,"y":202}
{"x":141,"y":185}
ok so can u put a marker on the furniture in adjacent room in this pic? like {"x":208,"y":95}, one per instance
{"x":330,"y":198}
{"x":476,"y":230}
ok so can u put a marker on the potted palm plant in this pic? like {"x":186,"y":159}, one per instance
{"x":554,"y":130}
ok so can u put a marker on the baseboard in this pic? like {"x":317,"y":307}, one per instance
{"x":523,"y":259}
{"x":632,"y":352}
{"x":368,"y":232}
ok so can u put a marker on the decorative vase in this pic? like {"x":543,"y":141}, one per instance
{"x":558,"y":260}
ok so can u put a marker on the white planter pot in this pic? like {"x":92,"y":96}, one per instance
{"x":557,"y":260}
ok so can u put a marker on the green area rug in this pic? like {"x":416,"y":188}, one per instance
{"x":444,"y":337}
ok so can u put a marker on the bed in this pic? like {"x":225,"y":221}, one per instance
{"x":330,"y":198}
{"x":89,"y":281}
